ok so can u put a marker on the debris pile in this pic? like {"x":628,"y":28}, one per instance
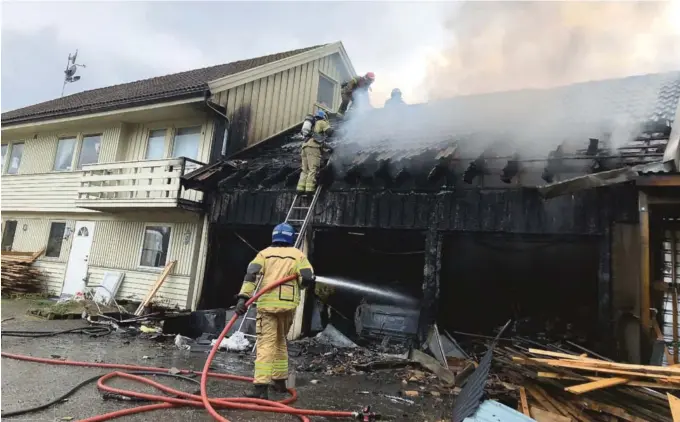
{"x":563,"y":385}
{"x":18,"y":275}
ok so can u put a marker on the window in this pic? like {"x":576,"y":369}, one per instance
{"x":326,"y":94}
{"x":155,"y":148}
{"x":55,"y":240}
{"x":15,"y":153}
{"x":186,"y":142}
{"x":155,"y":246}
{"x":4,"y":153}
{"x":8,"y":235}
{"x":64,"y":159}
{"x":89,"y":152}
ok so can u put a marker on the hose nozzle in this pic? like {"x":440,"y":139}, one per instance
{"x":366,"y":415}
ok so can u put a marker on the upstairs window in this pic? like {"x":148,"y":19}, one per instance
{"x":326,"y":93}
{"x":186,"y":142}
{"x":16,"y":150}
{"x":155,"y":246}
{"x":4,"y":154}
{"x":89,"y":152}
{"x":64,"y":158}
{"x":155,"y":148}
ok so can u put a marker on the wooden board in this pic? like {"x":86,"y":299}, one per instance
{"x":596,"y":385}
{"x":544,"y":416}
{"x":156,"y":286}
{"x":523,"y":401}
{"x":674,"y":404}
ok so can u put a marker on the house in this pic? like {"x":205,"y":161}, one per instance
{"x":94,"y":177}
{"x":553,"y":207}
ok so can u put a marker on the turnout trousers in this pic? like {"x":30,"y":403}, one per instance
{"x":272,"y":328}
{"x":311,"y":161}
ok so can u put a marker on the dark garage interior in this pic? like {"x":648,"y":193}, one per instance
{"x":546,"y":283}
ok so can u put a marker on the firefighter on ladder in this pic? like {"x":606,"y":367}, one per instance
{"x":275,"y":309}
{"x":310,"y":154}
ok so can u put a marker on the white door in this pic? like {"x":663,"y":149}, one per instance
{"x":76,"y":271}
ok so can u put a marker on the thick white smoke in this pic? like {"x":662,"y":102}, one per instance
{"x":522,"y":48}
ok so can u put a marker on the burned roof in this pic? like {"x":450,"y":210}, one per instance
{"x":158,"y":89}
{"x":573,"y":130}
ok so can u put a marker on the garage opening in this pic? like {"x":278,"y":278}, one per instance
{"x":547,"y":284}
{"x":230,"y":252}
{"x":387,"y":260}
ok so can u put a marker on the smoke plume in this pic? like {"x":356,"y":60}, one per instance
{"x":521,"y":48}
{"x":499,"y":46}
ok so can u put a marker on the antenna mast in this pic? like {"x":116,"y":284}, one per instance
{"x":70,"y":72}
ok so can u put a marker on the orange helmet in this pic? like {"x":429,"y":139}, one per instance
{"x":370,"y":76}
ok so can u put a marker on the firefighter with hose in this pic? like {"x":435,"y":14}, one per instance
{"x":276,"y":308}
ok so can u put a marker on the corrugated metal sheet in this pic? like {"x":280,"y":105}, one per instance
{"x":125,"y":237}
{"x":493,"y":411}
{"x":262,"y":108}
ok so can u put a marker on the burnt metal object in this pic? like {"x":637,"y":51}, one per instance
{"x":470,"y":396}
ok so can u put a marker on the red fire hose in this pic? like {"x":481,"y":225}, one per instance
{"x":185,"y":399}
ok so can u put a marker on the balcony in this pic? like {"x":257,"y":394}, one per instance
{"x":138,"y":184}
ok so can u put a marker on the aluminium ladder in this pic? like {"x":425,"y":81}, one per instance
{"x":301,"y":223}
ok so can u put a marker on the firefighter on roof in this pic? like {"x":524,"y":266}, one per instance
{"x":356,"y":86}
{"x":310,"y":155}
{"x":275,"y":309}
{"x":395,"y":99}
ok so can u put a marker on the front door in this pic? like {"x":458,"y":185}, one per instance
{"x":76,"y":270}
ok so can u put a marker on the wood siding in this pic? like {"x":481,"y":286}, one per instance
{"x":262,"y":108}
{"x":137,"y":138}
{"x":51,"y":192}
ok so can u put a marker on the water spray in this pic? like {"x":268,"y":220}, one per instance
{"x":367,"y":289}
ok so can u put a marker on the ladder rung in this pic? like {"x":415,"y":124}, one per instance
{"x":297,"y":221}
{"x":300,"y":208}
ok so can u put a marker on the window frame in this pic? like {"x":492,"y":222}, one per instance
{"x":80,"y":140}
{"x":75,"y":154}
{"x":5,"y":159}
{"x":336,"y":90}
{"x":171,"y":226}
{"x":166,"y":141}
{"x":61,"y":245}
{"x":4,"y":234}
{"x":171,"y":149}
{"x":8,"y":157}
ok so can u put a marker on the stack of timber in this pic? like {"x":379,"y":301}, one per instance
{"x":18,"y":274}
{"x":557,"y":386}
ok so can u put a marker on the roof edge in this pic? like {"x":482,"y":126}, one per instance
{"x":124,"y":107}
{"x":242,"y":78}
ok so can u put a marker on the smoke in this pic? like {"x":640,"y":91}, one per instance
{"x":488,"y":88}
{"x":500,"y":46}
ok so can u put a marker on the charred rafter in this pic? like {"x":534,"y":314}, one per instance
{"x":278,"y":177}
{"x":477,"y":168}
{"x":254,"y":177}
{"x":511,"y":169}
{"x":555,"y":165}
{"x":232,"y":180}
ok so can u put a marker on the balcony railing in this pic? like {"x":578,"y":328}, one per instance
{"x":149,"y":183}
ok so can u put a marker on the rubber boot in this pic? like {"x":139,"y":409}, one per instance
{"x":280,"y":386}
{"x":258,"y":391}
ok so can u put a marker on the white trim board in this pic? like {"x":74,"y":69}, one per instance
{"x":242,"y":78}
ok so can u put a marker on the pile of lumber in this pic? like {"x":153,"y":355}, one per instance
{"x":558,"y":386}
{"x":18,"y":274}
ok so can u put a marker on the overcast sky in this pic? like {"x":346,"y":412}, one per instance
{"x":126,"y":41}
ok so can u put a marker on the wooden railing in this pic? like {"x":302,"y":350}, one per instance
{"x":149,"y":183}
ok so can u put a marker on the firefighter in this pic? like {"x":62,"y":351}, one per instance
{"x":310,"y":155}
{"x":395,"y":98}
{"x":276,"y":308}
{"x":350,"y":88}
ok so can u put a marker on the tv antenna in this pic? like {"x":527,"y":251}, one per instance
{"x":70,"y":72}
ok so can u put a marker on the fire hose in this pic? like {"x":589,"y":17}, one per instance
{"x":178,"y":398}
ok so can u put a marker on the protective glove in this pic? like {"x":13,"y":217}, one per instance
{"x":307,"y":282}
{"x":241,"y":306}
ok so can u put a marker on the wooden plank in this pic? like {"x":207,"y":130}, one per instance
{"x":596,"y":385}
{"x":156,"y":286}
{"x":674,"y":404}
{"x":36,"y":255}
{"x":523,"y":401}
{"x":604,"y":365}
{"x":540,"y":398}
{"x":560,"y":355}
{"x":634,"y":383}
{"x":131,"y":188}
{"x":541,"y":415}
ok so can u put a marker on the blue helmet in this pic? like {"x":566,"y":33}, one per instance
{"x":283,"y":233}
{"x":321,"y":114}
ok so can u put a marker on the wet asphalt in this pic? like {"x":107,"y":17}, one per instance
{"x":26,"y":384}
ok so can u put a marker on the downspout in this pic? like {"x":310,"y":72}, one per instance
{"x":671,"y":156}
{"x":225,"y":135}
